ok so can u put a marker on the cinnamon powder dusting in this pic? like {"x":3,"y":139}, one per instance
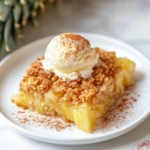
{"x":26,"y":119}
{"x":118,"y":114}
{"x":145,"y":145}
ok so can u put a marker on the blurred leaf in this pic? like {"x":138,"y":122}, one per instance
{"x":7,"y":30}
{"x":4,"y":11}
{"x":9,"y":2}
{"x":17,"y":11}
{"x":26,"y":13}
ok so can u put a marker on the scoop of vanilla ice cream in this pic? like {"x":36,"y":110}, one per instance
{"x":69,"y":56}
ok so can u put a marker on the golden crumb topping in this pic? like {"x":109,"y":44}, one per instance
{"x":81,"y":90}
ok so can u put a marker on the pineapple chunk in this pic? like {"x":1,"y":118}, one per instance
{"x":127,"y":67}
{"x":118,"y":84}
{"x":84,"y":117}
{"x":23,"y":99}
{"x":67,"y":111}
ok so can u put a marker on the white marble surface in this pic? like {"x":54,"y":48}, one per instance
{"x":127,"y":20}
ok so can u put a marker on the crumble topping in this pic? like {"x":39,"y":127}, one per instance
{"x":75,"y":91}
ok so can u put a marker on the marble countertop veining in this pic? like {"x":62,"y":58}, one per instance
{"x":126,"y":20}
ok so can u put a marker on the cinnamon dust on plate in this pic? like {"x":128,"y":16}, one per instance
{"x":119,"y":114}
{"x":145,"y":145}
{"x":116,"y":117}
{"x":27,"y":118}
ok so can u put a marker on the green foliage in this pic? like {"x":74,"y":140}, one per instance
{"x":15,"y":14}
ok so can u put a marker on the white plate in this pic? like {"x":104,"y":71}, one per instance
{"x":13,"y":68}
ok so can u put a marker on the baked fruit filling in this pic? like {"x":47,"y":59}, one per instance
{"x":83,"y":100}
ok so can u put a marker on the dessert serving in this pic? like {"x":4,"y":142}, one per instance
{"x":74,"y":81}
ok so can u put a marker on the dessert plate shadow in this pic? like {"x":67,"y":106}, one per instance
{"x":13,"y":69}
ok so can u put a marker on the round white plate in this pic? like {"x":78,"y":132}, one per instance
{"x":13,"y":68}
